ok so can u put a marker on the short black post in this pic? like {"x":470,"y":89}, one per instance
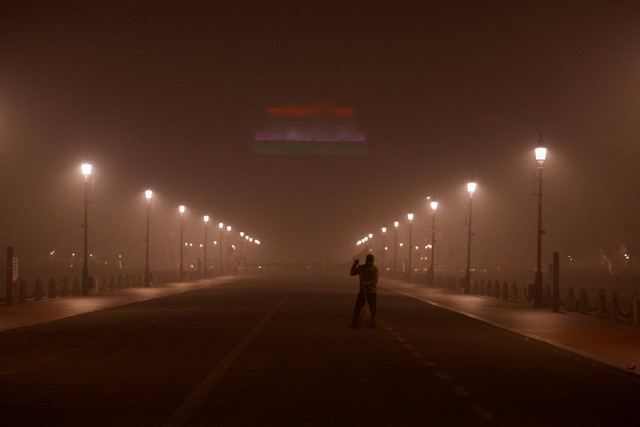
{"x":556,"y":282}
{"x":9,"y":271}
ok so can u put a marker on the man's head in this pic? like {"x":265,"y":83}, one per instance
{"x":369,"y":259}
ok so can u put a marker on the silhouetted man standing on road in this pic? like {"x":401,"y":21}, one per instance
{"x":368,"y":284}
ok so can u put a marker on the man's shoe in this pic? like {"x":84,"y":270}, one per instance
{"x":372,"y":326}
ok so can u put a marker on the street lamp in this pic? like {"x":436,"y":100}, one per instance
{"x":181,"y":209}
{"x":229,"y":249}
{"x":410,"y":217}
{"x":434,"y":207}
{"x":204,"y":269}
{"x":147,"y":273}
{"x":220,"y":226}
{"x":471,"y":188}
{"x":396,"y":224}
{"x":86,"y":172}
{"x":541,"y":155}
{"x":384,"y":239}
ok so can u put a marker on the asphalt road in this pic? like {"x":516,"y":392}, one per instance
{"x":277,"y":351}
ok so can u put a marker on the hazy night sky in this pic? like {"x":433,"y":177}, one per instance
{"x":171,"y":93}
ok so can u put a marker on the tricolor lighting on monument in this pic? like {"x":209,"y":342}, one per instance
{"x":310,"y":129}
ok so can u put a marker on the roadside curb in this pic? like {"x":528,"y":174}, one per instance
{"x":539,"y":338}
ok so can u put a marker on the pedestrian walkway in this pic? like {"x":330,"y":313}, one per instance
{"x":603,"y":340}
{"x":35,"y":312}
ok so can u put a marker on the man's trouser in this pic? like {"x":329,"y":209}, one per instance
{"x":371,"y":299}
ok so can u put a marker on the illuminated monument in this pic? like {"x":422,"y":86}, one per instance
{"x":310,"y":129}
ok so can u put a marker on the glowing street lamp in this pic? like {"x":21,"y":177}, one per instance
{"x":86,"y":172}
{"x":471,"y":188}
{"x":221,"y":227}
{"x":434,"y":207}
{"x":396,"y":224}
{"x":147,"y":273}
{"x":181,"y":209}
{"x":206,"y":223}
{"x":541,"y":156}
{"x":384,"y":245}
{"x":229,"y":250}
{"x":410,"y":218}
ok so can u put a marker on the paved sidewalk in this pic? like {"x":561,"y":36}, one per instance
{"x":604,"y":340}
{"x":46,"y":310}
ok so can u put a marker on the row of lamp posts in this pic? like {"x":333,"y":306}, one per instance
{"x":86,"y":279}
{"x":540,"y":156}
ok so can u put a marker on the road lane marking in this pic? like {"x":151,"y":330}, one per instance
{"x":408,"y":346}
{"x":417,"y":354}
{"x":481,"y":412}
{"x":47,"y":359}
{"x":459,"y":390}
{"x":400,"y":339}
{"x":72,"y":350}
{"x":395,"y":334}
{"x":202,"y":390}
{"x":13,"y":371}
{"x":441,"y":375}
{"x":429,"y":364}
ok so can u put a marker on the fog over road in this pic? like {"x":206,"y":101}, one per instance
{"x":278,"y":351}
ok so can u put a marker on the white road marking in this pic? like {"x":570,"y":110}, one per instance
{"x":13,"y":371}
{"x":408,"y":346}
{"x":400,"y":339}
{"x":481,"y":412}
{"x":442,"y":375}
{"x":429,"y":364}
{"x":202,"y":390}
{"x":417,"y":354}
{"x":459,"y":390}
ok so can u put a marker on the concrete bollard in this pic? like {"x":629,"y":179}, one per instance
{"x":38,"y":292}
{"x":601,"y":304}
{"x":635,"y":312}
{"x":513,"y":292}
{"x":496,"y":289}
{"x":52,"y":288}
{"x":504,"y":292}
{"x":65,"y":288}
{"x":583,"y":302}
{"x":613,"y":305}
{"x":571,"y":300}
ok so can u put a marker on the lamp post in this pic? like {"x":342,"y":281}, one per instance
{"x":86,"y":172}
{"x":541,"y":155}
{"x":181,"y":209}
{"x":242,"y":246}
{"x":434,"y":207}
{"x":396,"y":224}
{"x":147,"y":273}
{"x":384,"y":250}
{"x":220,"y":226}
{"x":410,"y":217}
{"x":229,"y":250}
{"x":204,"y":268}
{"x":246,"y":251}
{"x":471,"y":188}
